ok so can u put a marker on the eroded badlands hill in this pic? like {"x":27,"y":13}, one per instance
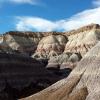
{"x":47,"y":44}
{"x":55,"y":54}
{"x":21,"y":42}
{"x":77,"y":41}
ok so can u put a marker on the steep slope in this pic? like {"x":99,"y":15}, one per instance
{"x":82,"y":84}
{"x":83,"y":39}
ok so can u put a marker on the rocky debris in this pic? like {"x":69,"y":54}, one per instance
{"x":72,"y":61}
{"x":22,"y":76}
{"x":82,"y":84}
{"x":63,"y":61}
{"x":49,"y":46}
{"x":63,"y":64}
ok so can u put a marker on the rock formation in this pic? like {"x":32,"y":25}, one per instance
{"x":51,"y":45}
{"x":83,"y":40}
{"x":82,"y":84}
{"x":22,"y":42}
{"x":47,"y":44}
{"x":32,"y":61}
{"x":79,"y":43}
{"x":76,"y":41}
{"x":63,"y":61}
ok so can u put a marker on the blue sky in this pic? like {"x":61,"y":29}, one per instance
{"x":47,"y":15}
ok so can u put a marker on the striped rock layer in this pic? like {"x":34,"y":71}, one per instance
{"x":47,"y":44}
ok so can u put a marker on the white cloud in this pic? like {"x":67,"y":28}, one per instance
{"x":81,"y":19}
{"x":96,"y":3}
{"x":36,"y":23}
{"x":76,"y":21}
{"x":23,"y":1}
{"x":32,"y":2}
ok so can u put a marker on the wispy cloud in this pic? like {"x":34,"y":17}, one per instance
{"x":24,"y":1}
{"x":82,"y":18}
{"x":34,"y":23}
{"x":39,"y":24}
{"x":96,"y":3}
{"x":32,"y":2}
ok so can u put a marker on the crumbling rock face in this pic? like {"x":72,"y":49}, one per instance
{"x":65,"y":60}
{"x":49,"y":46}
{"x":82,"y":42}
{"x":72,"y":61}
{"x":82,"y":84}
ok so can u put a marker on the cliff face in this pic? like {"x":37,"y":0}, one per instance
{"x":24,"y":42}
{"x":82,"y":42}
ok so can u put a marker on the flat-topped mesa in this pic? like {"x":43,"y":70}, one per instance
{"x":83,"y":29}
{"x":26,"y":34}
{"x":32,"y":34}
